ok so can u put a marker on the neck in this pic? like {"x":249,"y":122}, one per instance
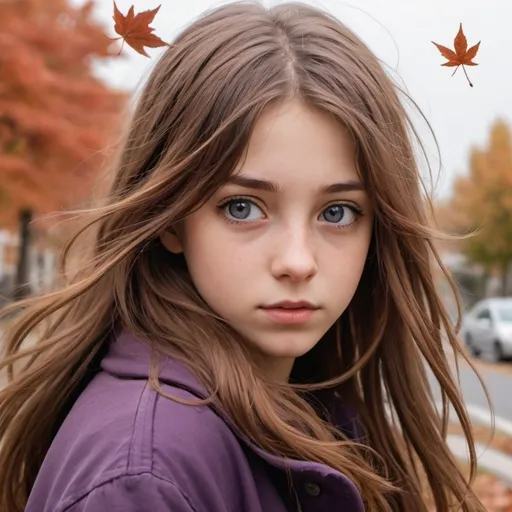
{"x":276,"y":368}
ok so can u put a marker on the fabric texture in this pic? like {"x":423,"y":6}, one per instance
{"x":124,"y":447}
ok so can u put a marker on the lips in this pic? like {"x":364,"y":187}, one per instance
{"x":290,"y":312}
{"x":288,"y":304}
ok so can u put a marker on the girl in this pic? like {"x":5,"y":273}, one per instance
{"x":251,"y":330}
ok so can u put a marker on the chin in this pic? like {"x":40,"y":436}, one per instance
{"x":283,"y":349}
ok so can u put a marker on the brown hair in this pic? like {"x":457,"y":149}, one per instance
{"x":189,"y":130}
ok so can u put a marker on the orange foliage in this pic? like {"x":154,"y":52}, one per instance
{"x":54,"y":114}
{"x":482,"y":201}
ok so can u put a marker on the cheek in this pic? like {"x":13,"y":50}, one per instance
{"x":220,"y":281}
{"x":351,"y":264}
{"x":349,"y":271}
{"x":215,"y":264}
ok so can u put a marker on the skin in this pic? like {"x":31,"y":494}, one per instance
{"x":294,"y":244}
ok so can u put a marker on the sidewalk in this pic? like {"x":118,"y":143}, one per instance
{"x":493,"y":461}
{"x":489,"y":459}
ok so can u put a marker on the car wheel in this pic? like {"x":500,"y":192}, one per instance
{"x":469,"y":344}
{"x":497,"y":352}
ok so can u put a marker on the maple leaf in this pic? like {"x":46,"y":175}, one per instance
{"x":134,"y":29}
{"x":461,"y":56}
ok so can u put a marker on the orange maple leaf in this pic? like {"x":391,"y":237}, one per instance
{"x":461,"y":56}
{"x":135,"y":30}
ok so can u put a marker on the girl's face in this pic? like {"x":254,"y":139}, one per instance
{"x":293,"y":225}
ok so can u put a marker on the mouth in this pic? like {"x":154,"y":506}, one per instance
{"x":290,"y":312}
{"x":292,"y":305}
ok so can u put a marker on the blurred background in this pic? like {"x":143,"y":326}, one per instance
{"x":64,"y":86}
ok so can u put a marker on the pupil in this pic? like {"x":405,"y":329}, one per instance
{"x":335,"y":211}
{"x":238,"y":210}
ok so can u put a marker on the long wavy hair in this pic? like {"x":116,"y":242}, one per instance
{"x":188,"y":132}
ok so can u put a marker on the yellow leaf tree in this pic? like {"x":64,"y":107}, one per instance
{"x":482,"y":204}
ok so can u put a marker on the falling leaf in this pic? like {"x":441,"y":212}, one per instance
{"x":461,"y":56}
{"x":135,"y":30}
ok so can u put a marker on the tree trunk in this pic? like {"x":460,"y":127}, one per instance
{"x":483,"y":285}
{"x":22,"y":285}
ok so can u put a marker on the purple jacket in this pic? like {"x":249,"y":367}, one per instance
{"x":125,"y":448}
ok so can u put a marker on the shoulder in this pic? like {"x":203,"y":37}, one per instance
{"x":196,"y":431}
{"x":122,"y":437}
{"x":133,"y":493}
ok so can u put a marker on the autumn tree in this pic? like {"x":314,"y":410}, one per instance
{"x":54,"y":113}
{"x":482,"y":204}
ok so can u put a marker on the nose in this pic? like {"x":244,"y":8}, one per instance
{"x":294,"y":257}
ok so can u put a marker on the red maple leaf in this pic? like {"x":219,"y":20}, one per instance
{"x":461,"y":56}
{"x":135,"y":30}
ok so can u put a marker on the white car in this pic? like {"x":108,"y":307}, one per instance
{"x":487,"y":329}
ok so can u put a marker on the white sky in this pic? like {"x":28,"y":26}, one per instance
{"x":400,"y":33}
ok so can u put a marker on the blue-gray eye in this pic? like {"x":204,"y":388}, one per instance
{"x":339,"y":214}
{"x":241,"y":209}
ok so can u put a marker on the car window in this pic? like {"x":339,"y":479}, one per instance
{"x":504,"y":313}
{"x":484,"y":313}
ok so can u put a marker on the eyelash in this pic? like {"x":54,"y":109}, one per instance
{"x":355,"y":209}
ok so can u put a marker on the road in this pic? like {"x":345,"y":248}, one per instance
{"x":498,"y":384}
{"x":498,"y":380}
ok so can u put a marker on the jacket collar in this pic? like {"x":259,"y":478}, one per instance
{"x":129,"y":357}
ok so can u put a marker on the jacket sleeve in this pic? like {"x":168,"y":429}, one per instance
{"x":133,"y":493}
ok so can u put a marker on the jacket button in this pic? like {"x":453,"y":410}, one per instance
{"x":312,"y":489}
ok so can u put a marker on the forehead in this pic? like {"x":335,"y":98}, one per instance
{"x":293,"y":143}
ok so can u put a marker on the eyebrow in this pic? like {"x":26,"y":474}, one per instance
{"x":271,"y":186}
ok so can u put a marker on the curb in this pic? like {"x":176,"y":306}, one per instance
{"x":483,"y":417}
{"x":495,"y":462}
